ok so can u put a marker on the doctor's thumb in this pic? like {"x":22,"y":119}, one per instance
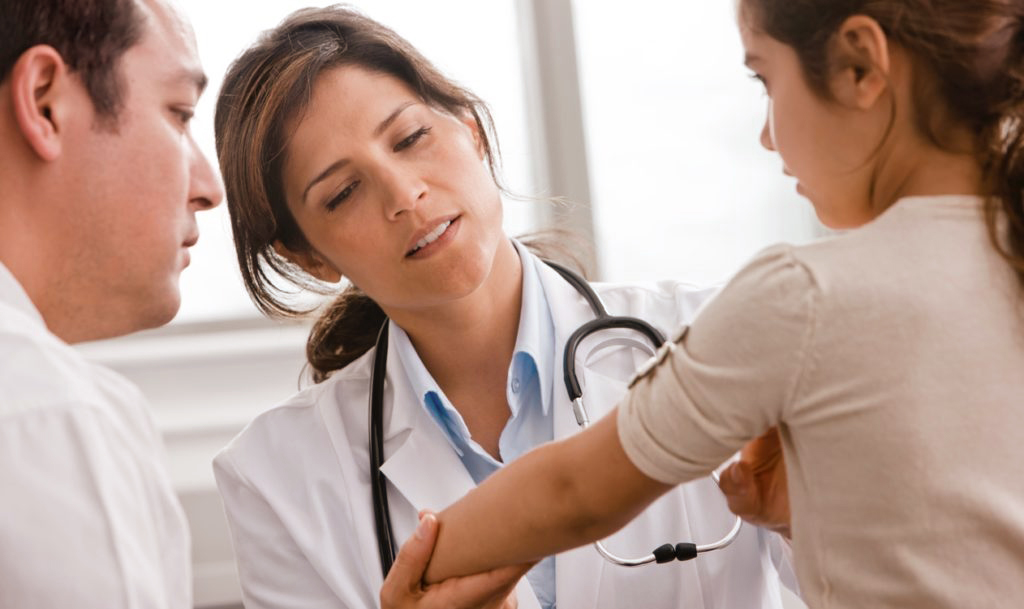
{"x":739,"y":487}
{"x":412,"y":558}
{"x":426,"y":530}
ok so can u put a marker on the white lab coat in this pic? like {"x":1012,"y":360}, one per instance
{"x":296,"y":486}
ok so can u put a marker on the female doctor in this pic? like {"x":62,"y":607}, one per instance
{"x":345,"y":153}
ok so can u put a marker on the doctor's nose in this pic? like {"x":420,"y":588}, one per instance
{"x":403,"y":191}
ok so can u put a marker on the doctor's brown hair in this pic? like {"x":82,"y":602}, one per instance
{"x":265,"y":89}
{"x":969,"y":56}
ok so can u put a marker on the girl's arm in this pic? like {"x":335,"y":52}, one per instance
{"x":559,"y":496}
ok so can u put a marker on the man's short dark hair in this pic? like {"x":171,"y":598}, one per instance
{"x":90,"y":35}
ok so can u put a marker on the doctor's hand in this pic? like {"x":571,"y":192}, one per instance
{"x":404,"y":589}
{"x":755,"y":486}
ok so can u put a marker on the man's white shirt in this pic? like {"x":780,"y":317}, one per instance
{"x":88,"y":516}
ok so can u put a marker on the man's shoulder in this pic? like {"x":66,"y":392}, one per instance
{"x":40,"y":371}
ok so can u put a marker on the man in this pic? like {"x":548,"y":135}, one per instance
{"x":100,"y":182}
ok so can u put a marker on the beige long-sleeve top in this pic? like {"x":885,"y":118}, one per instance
{"x":892,"y":359}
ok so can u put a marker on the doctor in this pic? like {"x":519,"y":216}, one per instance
{"x":346,"y":154}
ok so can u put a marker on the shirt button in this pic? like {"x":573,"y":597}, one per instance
{"x":515,"y":385}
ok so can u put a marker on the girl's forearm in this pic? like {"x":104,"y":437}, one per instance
{"x":558,"y":496}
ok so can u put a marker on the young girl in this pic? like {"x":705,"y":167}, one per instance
{"x":345,"y":153}
{"x":890,"y":357}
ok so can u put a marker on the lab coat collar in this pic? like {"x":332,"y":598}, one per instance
{"x":412,"y":439}
{"x":536,"y":337}
{"x":14,"y":295}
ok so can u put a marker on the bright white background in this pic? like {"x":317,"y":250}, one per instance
{"x":681,"y":185}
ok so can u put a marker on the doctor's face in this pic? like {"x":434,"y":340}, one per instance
{"x":390,"y":192}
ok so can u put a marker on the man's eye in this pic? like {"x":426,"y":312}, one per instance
{"x":184,"y":115}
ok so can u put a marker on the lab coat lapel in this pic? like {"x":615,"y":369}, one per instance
{"x":419,"y":461}
{"x":568,"y":311}
{"x":421,"y":464}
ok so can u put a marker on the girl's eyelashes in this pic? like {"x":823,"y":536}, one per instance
{"x":412,"y":139}
{"x":760,"y":79}
{"x":339,"y":198}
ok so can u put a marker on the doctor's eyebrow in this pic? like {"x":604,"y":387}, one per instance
{"x":750,"y":58}
{"x":384,"y":124}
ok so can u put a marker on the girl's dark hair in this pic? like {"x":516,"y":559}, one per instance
{"x":266,"y":88}
{"x":90,"y":35}
{"x":972,"y":52}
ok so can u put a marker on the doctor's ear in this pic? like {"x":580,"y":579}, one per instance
{"x":863,"y":58}
{"x":41,"y":97}
{"x":469,"y":120}
{"x":310,"y":261}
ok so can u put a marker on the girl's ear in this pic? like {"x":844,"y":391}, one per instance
{"x":862,"y":53}
{"x":309,"y":261}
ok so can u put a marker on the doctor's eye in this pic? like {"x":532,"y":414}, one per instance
{"x":339,"y":198}
{"x":760,"y":79}
{"x":412,"y":139}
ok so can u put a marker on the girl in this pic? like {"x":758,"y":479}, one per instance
{"x":890,"y":357}
{"x":346,"y":154}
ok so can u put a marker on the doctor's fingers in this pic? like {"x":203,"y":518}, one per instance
{"x":403,"y":587}
{"x":404,"y":582}
{"x":759,"y":497}
{"x":491,"y":590}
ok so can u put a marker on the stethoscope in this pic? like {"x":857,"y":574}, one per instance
{"x":603,"y":321}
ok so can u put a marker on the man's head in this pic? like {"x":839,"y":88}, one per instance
{"x":90,"y":36}
{"x":101,"y":176}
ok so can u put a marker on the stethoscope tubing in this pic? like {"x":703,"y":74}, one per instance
{"x":603,"y":321}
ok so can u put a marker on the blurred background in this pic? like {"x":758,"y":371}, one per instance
{"x":640,"y":114}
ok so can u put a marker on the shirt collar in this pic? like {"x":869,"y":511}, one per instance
{"x":14,"y":295}
{"x":536,"y":339}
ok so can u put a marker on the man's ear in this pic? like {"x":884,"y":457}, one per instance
{"x":309,"y":261}
{"x":40,"y":89}
{"x":863,"y":56}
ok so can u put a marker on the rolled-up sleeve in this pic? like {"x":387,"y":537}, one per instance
{"x":730,"y":377}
